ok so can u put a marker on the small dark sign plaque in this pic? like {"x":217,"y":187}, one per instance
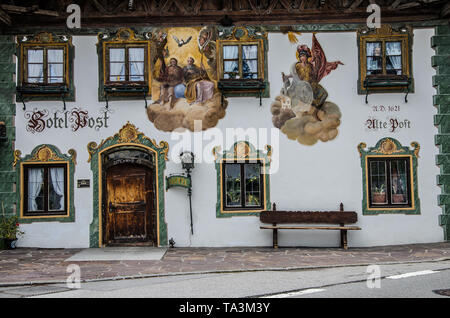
{"x":84,"y":183}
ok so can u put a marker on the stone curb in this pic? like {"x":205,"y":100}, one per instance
{"x":278,"y":269}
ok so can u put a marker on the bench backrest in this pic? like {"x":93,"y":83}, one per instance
{"x":313,"y":217}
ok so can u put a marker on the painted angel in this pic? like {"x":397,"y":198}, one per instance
{"x":307,"y":72}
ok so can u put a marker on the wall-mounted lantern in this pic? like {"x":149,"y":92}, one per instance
{"x":3,"y":137}
{"x":187,"y":163}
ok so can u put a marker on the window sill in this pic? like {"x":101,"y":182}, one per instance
{"x":26,"y":93}
{"x":124,"y":92}
{"x":126,"y":88}
{"x":243,"y":87}
{"x":232,"y":213}
{"x":387,"y":83}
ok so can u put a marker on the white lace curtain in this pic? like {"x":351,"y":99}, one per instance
{"x":394,"y":56}
{"x":57,"y":181}
{"x":117,"y":64}
{"x":230,"y":52}
{"x":136,"y":57}
{"x":374,"y":56}
{"x":35,"y":178}
{"x":35,"y":66}
{"x":56,"y":196}
{"x":55,"y":66}
{"x":250,"y":57}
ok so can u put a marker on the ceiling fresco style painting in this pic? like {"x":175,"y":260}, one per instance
{"x":184,"y":85}
{"x":302,"y":111}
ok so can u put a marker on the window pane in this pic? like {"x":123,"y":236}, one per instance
{"x":117,"y":55}
{"x":35,"y":73}
{"x":378,"y":182}
{"x":35,"y":56}
{"x":374,"y":49}
{"x":56,"y":195}
{"x":252,"y":184}
{"x":231,"y":66}
{"x":233,"y":185}
{"x":117,"y":72}
{"x":136,"y":54}
{"x":393,"y":48}
{"x":374,"y":64}
{"x":230,"y":52}
{"x":394,"y":65}
{"x":35,"y":189}
{"x":374,"y":52}
{"x":55,"y":70}
{"x":55,"y":56}
{"x":399,"y":191}
{"x":250,"y":69}
{"x":137,"y":71}
{"x":250,"y":52}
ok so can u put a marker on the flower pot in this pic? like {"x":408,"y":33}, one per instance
{"x":10,"y":244}
{"x":398,"y":198}
{"x":2,"y":244}
{"x":379,"y":198}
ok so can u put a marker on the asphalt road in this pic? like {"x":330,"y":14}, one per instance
{"x":400,"y":280}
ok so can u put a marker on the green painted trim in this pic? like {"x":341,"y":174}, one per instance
{"x":124,"y":140}
{"x":398,"y":150}
{"x":32,"y":158}
{"x":7,"y":112}
{"x":44,"y":97}
{"x":109,"y":36}
{"x":363,"y":91}
{"x":255,"y":32}
{"x":253,"y":154}
{"x":440,"y":42}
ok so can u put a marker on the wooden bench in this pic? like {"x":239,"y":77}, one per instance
{"x":340,"y":218}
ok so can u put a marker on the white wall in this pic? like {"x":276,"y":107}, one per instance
{"x":315,"y":177}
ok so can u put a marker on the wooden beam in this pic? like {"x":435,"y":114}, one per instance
{"x":33,"y":9}
{"x":5,"y":18}
{"x":446,"y":11}
{"x":408,"y":5}
{"x":354,"y":5}
{"x":395,"y":4}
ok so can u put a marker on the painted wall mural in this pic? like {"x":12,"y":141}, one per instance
{"x":184,"y":85}
{"x":302,"y":110}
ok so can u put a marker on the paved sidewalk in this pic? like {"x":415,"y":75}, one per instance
{"x":32,"y":265}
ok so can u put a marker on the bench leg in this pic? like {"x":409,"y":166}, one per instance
{"x":275,"y":238}
{"x":344,"y":239}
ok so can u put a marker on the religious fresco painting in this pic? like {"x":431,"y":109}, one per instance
{"x":184,"y":85}
{"x":302,"y":111}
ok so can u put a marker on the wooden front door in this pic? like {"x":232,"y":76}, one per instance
{"x":129,"y":205}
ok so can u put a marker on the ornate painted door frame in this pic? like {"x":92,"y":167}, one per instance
{"x":128,"y":135}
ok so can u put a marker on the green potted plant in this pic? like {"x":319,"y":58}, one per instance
{"x":379,"y":194}
{"x":9,"y":230}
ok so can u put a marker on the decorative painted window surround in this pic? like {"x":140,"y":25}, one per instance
{"x":383,"y":79}
{"x":242,"y":152}
{"x":128,"y":136}
{"x":389,"y":148}
{"x":236,"y":85}
{"x":58,"y":87}
{"x":125,"y":88}
{"x":46,"y":155}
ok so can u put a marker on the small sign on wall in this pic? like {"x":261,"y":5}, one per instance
{"x":177,"y":181}
{"x":83,"y":183}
